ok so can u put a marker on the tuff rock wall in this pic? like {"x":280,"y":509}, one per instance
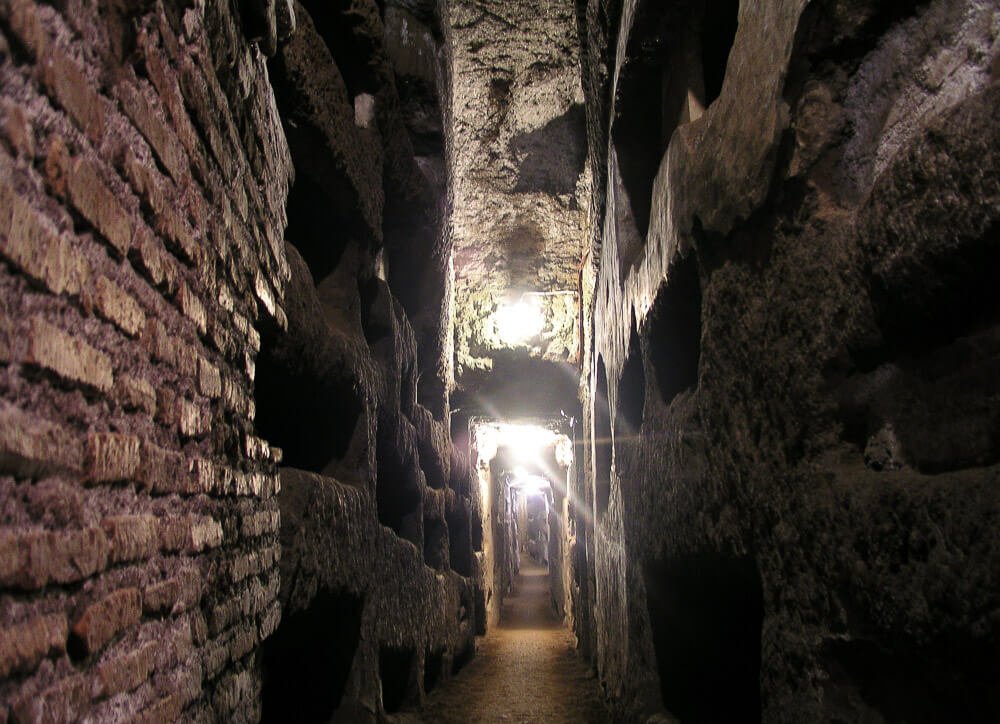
{"x":227,"y":488}
{"x":795,"y":360}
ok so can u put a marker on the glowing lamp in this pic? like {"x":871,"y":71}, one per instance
{"x":520,"y":321}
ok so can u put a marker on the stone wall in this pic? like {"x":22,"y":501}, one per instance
{"x":795,"y":355}
{"x":143,"y":176}
{"x":159,"y":339}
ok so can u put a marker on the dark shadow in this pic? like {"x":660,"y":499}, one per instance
{"x":307,"y":660}
{"x":553,"y":156}
{"x":706,"y":611}
{"x":603,"y":445}
{"x":395,"y":670}
{"x":674,"y":330}
{"x":631,"y":401}
{"x":955,"y":681}
{"x":433,"y":667}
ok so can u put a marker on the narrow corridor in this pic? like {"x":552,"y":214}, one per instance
{"x":525,"y":670}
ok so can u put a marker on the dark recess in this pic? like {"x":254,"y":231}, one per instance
{"x":433,"y":665}
{"x":674,"y":330}
{"x":948,"y":681}
{"x":395,"y":669}
{"x":318,"y":228}
{"x":306,"y":662}
{"x":661,"y":68}
{"x":706,"y":611}
{"x":459,"y":537}
{"x":436,"y":545}
{"x":926,"y":303}
{"x":463,"y":657}
{"x":349,"y":43}
{"x":603,"y":447}
{"x":718,"y":30}
{"x":631,"y":389}
{"x":397,"y":491}
{"x":301,"y":408}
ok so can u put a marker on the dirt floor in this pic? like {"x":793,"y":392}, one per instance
{"x":525,"y":670}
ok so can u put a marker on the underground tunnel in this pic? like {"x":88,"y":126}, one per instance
{"x":499,"y":360}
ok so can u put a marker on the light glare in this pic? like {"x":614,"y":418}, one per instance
{"x":521,"y":321}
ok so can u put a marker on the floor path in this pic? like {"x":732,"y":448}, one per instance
{"x":525,"y":670}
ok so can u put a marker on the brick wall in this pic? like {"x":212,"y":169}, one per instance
{"x":143,"y":175}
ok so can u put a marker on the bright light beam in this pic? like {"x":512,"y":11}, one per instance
{"x":521,"y":321}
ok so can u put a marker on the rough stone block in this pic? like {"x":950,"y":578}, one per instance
{"x":74,"y":92}
{"x":136,"y":393}
{"x":117,"y":306}
{"x":176,"y":594}
{"x":132,"y":537}
{"x":103,"y":621}
{"x":192,"y":308}
{"x":128,"y":671}
{"x":101,"y":207}
{"x":209,"y":381}
{"x":31,"y":446}
{"x":112,"y":456}
{"x":69,"y":357}
{"x":190,"y":533}
{"x":24,"y":645}
{"x":31,"y":242}
{"x":31,"y":559}
{"x":61,"y":702}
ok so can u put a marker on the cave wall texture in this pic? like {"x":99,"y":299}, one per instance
{"x":795,"y":350}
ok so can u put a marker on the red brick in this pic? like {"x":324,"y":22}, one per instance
{"x":74,"y":92}
{"x":112,"y":457}
{"x":192,"y":308}
{"x":174,"y":595}
{"x":132,"y":537}
{"x":32,"y":243}
{"x":31,"y":446}
{"x":128,"y":671}
{"x":145,"y":112}
{"x":104,"y":620}
{"x":92,"y":198}
{"x":269,"y":620}
{"x":136,"y":393}
{"x":69,"y":357}
{"x":22,"y":15}
{"x":209,"y":381}
{"x":165,"y":80}
{"x":179,"y":413}
{"x":189,"y":533}
{"x":24,"y":645}
{"x":18,"y":130}
{"x":260,"y":523}
{"x":64,"y":701}
{"x":161,"y":195}
{"x":34,"y":558}
{"x":164,"y":711}
{"x":164,"y":471}
{"x":115,"y":305}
